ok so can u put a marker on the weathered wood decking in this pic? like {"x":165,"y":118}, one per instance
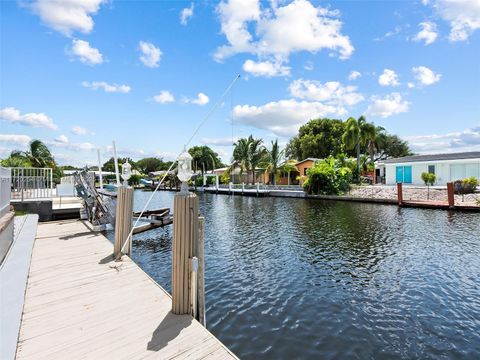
{"x":80,"y":304}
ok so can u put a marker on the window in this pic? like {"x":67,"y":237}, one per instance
{"x":305,"y":171}
{"x":431,"y":169}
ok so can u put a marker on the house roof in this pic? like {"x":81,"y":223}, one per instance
{"x":435,"y":157}
{"x":307,"y":159}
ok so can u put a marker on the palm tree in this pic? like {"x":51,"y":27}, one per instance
{"x":248,"y":154}
{"x":38,"y":155}
{"x":272,"y":160}
{"x":289,"y":166}
{"x":359,"y":133}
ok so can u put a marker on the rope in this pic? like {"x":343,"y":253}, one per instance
{"x":212,"y":109}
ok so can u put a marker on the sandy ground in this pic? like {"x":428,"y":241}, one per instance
{"x":412,"y":193}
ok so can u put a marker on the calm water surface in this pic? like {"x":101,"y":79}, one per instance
{"x":291,"y":278}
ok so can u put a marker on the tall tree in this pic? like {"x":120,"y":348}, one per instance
{"x":359,"y":133}
{"x":273,"y":159}
{"x":110,"y":164}
{"x":248,"y":154}
{"x":38,"y":155}
{"x":319,"y":138}
{"x":150,"y":164}
{"x":204,"y":158}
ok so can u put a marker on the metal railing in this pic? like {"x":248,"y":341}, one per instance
{"x":31,"y":183}
{"x":5,"y":188}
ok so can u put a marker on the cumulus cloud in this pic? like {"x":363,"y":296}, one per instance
{"x":388,"y":78}
{"x":354,"y":75}
{"x":225,"y":141}
{"x":388,"y":34}
{"x":463,"y":17}
{"x":186,"y":14}
{"x":35,"y":120}
{"x":283,"y":117}
{"x":151,"y":54}
{"x":388,"y":105}
{"x":265,"y":68}
{"x":164,"y":97}
{"x":331,"y":92}
{"x":13,"y":139}
{"x":67,"y":16}
{"x":62,"y":139}
{"x":279,"y":30}
{"x":110,"y":88}
{"x":428,"y":33}
{"x":466,"y":140}
{"x":85,"y":53}
{"x":78,"y":130}
{"x":201,"y":99}
{"x":84,"y":146}
{"x":425,"y":76}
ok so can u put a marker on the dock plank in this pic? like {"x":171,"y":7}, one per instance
{"x":80,"y":304}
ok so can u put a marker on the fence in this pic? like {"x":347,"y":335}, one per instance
{"x":31,"y":183}
{"x":5,"y":186}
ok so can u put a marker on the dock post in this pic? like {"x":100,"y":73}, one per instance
{"x":201,"y":273}
{"x":185,"y":235}
{"x":243,"y":187}
{"x":451,"y":195}
{"x":258,"y":188}
{"x":123,"y":220}
{"x":400,"y":193}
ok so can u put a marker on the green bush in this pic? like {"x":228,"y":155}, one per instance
{"x":225,"y":178}
{"x":328,"y":177}
{"x":134,"y":180}
{"x":428,"y":178}
{"x":466,"y":186}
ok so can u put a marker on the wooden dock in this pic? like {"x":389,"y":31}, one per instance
{"x":79,"y":304}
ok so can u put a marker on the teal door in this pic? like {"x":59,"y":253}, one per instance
{"x":399,"y":174}
{"x":407,"y":174}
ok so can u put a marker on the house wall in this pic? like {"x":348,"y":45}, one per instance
{"x":303,"y":167}
{"x":446,"y":170}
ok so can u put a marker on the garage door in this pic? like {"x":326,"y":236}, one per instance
{"x":462,"y":171}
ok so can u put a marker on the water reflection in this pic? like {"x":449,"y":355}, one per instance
{"x":289,"y":278}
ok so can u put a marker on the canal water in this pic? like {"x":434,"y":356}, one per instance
{"x":309,"y":279}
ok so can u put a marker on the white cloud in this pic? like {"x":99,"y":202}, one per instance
{"x":388,"y":34}
{"x":186,"y":14}
{"x":110,"y":88}
{"x":428,"y":33}
{"x":164,"y":97}
{"x":226,"y":141}
{"x":67,"y":16}
{"x":309,"y":66}
{"x":265,"y":68}
{"x":467,"y":140}
{"x":425,"y":76}
{"x":279,"y":30}
{"x":22,"y":140}
{"x":35,"y":120}
{"x":78,"y":130}
{"x":84,"y":146}
{"x":410,"y":85}
{"x":388,"y":78}
{"x":462,"y":15}
{"x":283,"y":117}
{"x":85,"y":53}
{"x":150,"y":54}
{"x":354,"y":75}
{"x":331,"y":92}
{"x":201,"y":99}
{"x":62,"y":139}
{"x":389,"y":105}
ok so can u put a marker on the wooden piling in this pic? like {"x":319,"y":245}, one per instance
{"x":201,"y":273}
{"x":123,"y":220}
{"x":400,"y":193}
{"x":451,"y":195}
{"x":185,"y":235}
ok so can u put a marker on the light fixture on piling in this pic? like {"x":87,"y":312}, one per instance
{"x":126,"y":172}
{"x":184,"y":169}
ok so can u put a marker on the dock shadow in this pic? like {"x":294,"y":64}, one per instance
{"x":76,"y":235}
{"x":107,"y":259}
{"x":168,"y":329}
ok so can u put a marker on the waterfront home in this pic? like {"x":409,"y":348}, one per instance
{"x":447,"y":167}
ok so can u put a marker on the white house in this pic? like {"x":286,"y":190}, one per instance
{"x":447,"y":167}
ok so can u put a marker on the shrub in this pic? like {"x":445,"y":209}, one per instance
{"x":466,"y":186}
{"x":428,"y":178}
{"x":225,"y":178}
{"x":328,"y":177}
{"x":134,"y":179}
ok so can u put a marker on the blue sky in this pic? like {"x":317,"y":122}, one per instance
{"x":78,"y":75}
